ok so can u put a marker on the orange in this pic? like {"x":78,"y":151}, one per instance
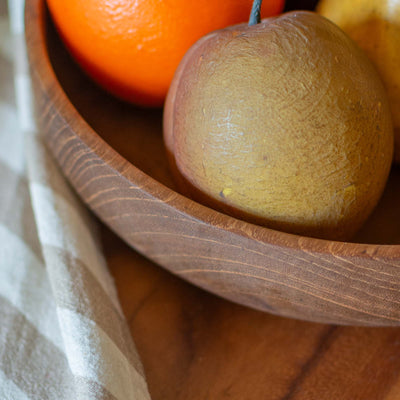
{"x":132,"y":47}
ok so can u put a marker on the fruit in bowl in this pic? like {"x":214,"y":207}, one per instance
{"x":132,"y":47}
{"x":375,"y":26}
{"x":288,"y":275}
{"x":283,"y":123}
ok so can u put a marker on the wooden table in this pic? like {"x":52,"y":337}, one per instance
{"x":196,"y":346}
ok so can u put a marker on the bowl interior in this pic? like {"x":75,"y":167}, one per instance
{"x":136,"y":134}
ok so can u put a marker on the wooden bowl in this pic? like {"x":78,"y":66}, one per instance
{"x":113,"y":155}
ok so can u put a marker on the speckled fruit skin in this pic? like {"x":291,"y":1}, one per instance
{"x":285,"y":123}
{"x":375,"y":26}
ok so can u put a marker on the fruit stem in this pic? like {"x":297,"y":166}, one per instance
{"x":255,"y":15}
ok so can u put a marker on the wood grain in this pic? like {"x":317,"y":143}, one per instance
{"x":113,"y":155}
{"x":197,"y":346}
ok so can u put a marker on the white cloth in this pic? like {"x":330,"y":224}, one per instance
{"x":62,"y":331}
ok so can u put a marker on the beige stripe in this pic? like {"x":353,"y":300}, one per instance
{"x":78,"y":290}
{"x":61,"y":225}
{"x":6,"y":42}
{"x":3,"y":7}
{"x":16,"y":209}
{"x":7,"y":92}
{"x":25,"y":284}
{"x":93,"y":355}
{"x":28,"y":359}
{"x":35,"y":365}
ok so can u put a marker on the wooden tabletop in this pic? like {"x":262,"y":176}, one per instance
{"x":196,"y":346}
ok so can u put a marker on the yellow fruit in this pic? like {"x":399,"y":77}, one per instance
{"x":284,"y":123}
{"x":375,"y":26}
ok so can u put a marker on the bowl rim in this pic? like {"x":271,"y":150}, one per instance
{"x":40,"y":65}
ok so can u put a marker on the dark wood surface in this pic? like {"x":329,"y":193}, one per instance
{"x":195,"y":345}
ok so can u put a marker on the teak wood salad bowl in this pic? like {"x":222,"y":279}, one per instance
{"x":113,"y":155}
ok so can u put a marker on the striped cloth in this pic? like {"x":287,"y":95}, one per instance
{"x":62,"y":332}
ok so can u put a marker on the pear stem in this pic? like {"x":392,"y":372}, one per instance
{"x":255,"y":15}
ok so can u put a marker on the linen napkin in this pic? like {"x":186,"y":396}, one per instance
{"x":62,"y":332}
